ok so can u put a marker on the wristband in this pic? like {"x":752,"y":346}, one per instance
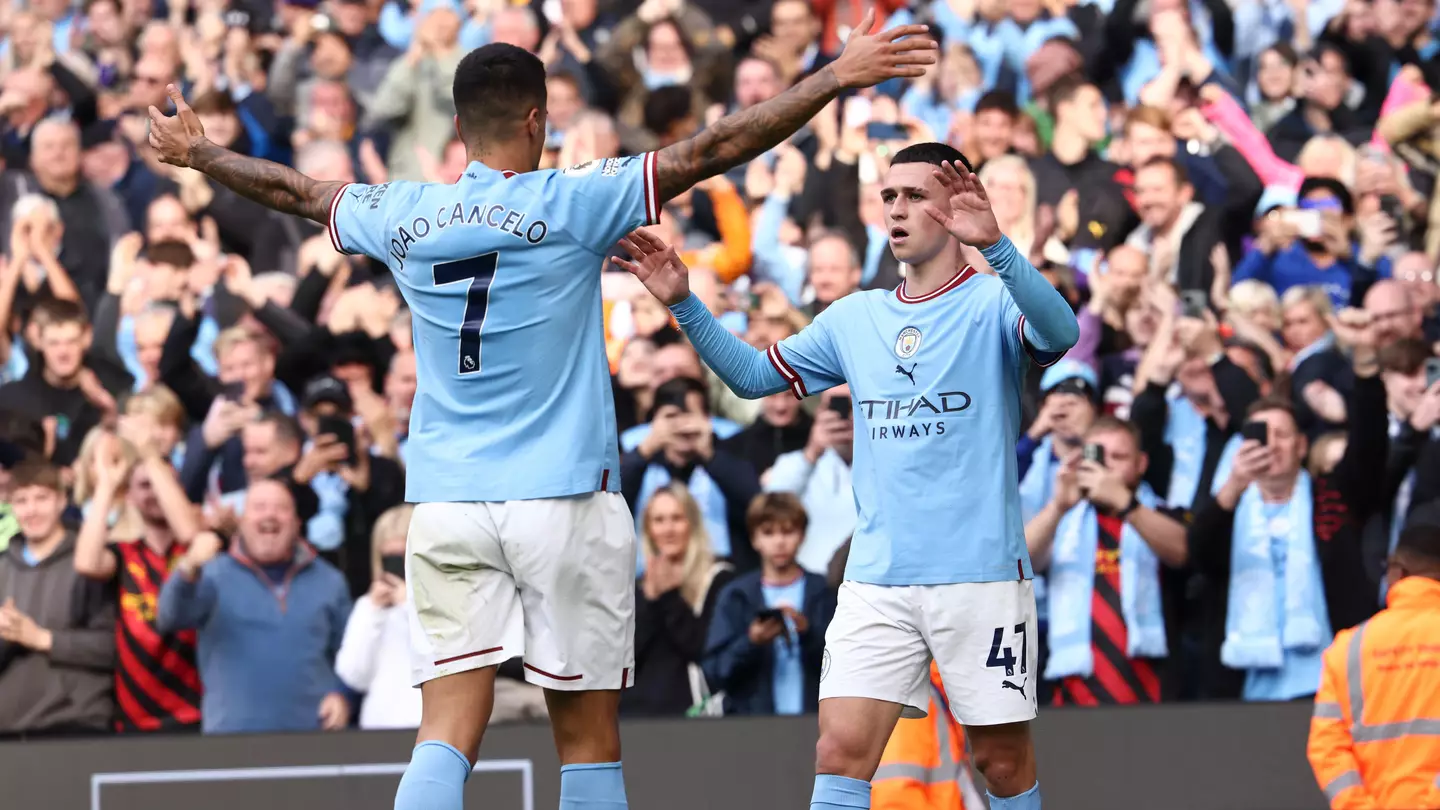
{"x":1131,"y":507}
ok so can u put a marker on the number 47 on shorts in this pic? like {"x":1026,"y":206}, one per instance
{"x":1002,"y":656}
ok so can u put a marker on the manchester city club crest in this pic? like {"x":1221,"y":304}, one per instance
{"x":908,"y":343}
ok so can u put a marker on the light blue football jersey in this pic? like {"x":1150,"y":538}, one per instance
{"x":502,"y":275}
{"x":935,"y":385}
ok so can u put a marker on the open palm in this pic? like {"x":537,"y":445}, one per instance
{"x":656,"y":265}
{"x":965,"y":211}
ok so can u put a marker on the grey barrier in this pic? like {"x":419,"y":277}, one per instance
{"x":1180,"y":757}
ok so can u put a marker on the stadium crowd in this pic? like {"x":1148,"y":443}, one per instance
{"x":205,"y":405}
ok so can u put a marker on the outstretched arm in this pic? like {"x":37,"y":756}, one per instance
{"x":1049,"y":322}
{"x":746,"y":370}
{"x":181,"y":141}
{"x":868,"y":60}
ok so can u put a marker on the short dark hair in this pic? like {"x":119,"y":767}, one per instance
{"x":931,"y":153}
{"x":1334,"y":187}
{"x":782,"y":509}
{"x":998,"y":101}
{"x":215,"y":102}
{"x":56,"y":310}
{"x":1182,"y":177}
{"x":172,"y":252}
{"x":1065,"y":89}
{"x":286,"y":428}
{"x":36,"y":473}
{"x":1272,"y":403}
{"x":1405,"y":356}
{"x":1420,"y":540}
{"x":676,"y":392}
{"x":666,"y":106}
{"x":496,"y":86}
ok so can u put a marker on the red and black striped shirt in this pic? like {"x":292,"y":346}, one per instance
{"x":1117,"y":679}
{"x":157,"y":684}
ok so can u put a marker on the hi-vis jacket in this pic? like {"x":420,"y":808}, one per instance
{"x":924,"y":765}
{"x":1375,"y":734}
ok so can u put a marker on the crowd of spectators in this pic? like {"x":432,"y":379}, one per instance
{"x":204,"y":407}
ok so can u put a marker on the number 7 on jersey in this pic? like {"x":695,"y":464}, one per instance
{"x":480,"y":272}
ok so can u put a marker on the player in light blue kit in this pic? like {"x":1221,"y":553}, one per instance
{"x":938,"y":565}
{"x":521,"y":543}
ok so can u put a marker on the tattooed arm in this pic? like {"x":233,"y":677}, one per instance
{"x":181,"y":141}
{"x":868,"y":60}
{"x":270,"y":184}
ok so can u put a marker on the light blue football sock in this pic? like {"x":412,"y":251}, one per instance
{"x":435,"y":779}
{"x":838,"y":792}
{"x":593,"y":786}
{"x":1029,"y":800}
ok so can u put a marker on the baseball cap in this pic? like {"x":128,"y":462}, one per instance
{"x":327,"y":389}
{"x":1070,"y":377}
{"x":1275,"y":197}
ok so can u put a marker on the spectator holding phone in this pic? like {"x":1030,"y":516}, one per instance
{"x":1307,"y":243}
{"x":820,"y":476}
{"x":680,"y":446}
{"x":1103,"y":539}
{"x":768,"y":635}
{"x":373,"y":657}
{"x":353,"y":486}
{"x":1285,"y":547}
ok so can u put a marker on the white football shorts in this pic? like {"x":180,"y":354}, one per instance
{"x":552,"y":580}
{"x":982,"y":635}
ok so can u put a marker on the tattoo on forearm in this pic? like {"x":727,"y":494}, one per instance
{"x":274,"y":186}
{"x":742,"y":136}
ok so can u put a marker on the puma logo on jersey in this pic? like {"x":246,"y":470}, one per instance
{"x":900,"y":369}
{"x":1009,"y":685}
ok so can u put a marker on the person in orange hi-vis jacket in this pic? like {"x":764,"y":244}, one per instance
{"x":1375,"y":734}
{"x":924,"y":765}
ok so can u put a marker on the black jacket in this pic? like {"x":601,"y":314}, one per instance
{"x":1344,"y":500}
{"x":745,"y":672}
{"x":669,"y":637}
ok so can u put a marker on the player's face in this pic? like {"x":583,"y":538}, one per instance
{"x":908,"y":190}
{"x":776,"y":544}
{"x":667,"y":525}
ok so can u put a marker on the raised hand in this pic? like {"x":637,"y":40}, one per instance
{"x":657,"y":266}
{"x":174,"y":137}
{"x":870,"y":58}
{"x":966,"y":211}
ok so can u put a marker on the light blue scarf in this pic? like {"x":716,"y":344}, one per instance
{"x":1072,"y":589}
{"x":1039,"y":480}
{"x":1185,"y":432}
{"x":705,"y":492}
{"x":1257,"y":630}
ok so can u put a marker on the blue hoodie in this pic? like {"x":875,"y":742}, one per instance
{"x":266,"y":651}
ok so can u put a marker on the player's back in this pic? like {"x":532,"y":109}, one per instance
{"x":502,"y":276}
{"x":936,"y":386}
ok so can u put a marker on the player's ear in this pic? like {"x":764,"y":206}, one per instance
{"x":533,"y":122}
{"x":458,"y":133}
